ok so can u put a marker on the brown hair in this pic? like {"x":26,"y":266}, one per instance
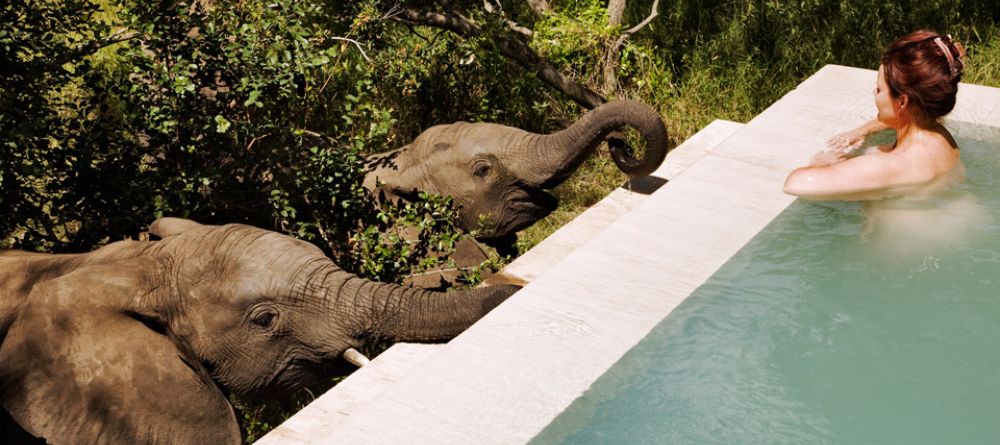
{"x":918,"y":66}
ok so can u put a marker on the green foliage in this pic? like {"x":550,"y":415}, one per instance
{"x":432,"y":77}
{"x":257,"y":113}
{"x":257,"y":416}
{"x":475,"y":275}
{"x":573,"y":38}
{"x":983,"y":60}
{"x":411,"y":237}
{"x":43,"y":118}
{"x":225,"y":102}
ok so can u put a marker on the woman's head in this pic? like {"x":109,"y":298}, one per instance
{"x":921,"y":71}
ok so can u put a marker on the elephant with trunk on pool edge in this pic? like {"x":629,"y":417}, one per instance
{"x":137,"y":342}
{"x":499,"y":174}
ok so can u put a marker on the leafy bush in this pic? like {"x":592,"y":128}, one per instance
{"x":45,"y":119}
{"x":258,"y":113}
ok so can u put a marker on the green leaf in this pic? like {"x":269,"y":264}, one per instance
{"x":221,"y":124}
{"x":252,"y":100}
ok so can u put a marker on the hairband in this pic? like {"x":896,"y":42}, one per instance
{"x":947,"y":53}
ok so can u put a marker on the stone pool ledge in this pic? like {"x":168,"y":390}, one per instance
{"x":508,"y":376}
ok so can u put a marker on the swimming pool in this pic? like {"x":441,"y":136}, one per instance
{"x":817,"y":333}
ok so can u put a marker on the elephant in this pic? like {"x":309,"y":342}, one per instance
{"x":498,"y":174}
{"x":140,"y":341}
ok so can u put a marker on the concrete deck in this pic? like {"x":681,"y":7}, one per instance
{"x":507,"y":377}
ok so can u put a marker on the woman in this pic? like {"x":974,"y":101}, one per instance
{"x":917,"y":83}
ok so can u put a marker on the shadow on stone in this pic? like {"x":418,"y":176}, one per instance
{"x":645,"y":185}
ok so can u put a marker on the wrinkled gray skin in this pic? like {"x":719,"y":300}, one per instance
{"x":501,"y":173}
{"x":135,"y":342}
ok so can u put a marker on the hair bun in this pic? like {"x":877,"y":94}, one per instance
{"x":954,"y":66}
{"x":927,"y":67}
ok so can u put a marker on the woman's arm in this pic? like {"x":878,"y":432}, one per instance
{"x":842,"y":146}
{"x":852,"y":139}
{"x":833,"y":175}
{"x":861,"y":178}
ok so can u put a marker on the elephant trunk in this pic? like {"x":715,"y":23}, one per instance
{"x":402,"y":313}
{"x":548,"y":160}
{"x":418,"y":315}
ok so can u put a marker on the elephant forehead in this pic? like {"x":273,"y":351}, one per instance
{"x":469,"y":138}
{"x":235,"y":284}
{"x":244,"y":287}
{"x":252,"y":247}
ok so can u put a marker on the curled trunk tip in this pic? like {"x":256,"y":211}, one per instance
{"x":647,"y":121}
{"x":556,"y":156}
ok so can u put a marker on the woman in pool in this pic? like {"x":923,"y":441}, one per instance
{"x":917,"y":83}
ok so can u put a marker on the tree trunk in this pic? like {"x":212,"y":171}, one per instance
{"x":612,"y":51}
{"x":616,"y":12}
{"x":540,"y":7}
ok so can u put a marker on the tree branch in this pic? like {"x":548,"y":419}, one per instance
{"x":628,"y":33}
{"x":58,"y":60}
{"x":529,"y":60}
{"x":612,"y":53}
{"x":93,"y":46}
{"x":454,"y":23}
{"x":511,"y":48}
{"x":514,"y":26}
{"x":356,"y":44}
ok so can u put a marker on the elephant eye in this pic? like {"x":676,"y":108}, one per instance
{"x":263,"y":319}
{"x":482,"y":169}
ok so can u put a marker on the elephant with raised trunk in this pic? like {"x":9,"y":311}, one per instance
{"x":138,"y":342}
{"x":499,"y":174}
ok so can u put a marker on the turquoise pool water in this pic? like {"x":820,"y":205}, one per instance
{"x":826,"y":330}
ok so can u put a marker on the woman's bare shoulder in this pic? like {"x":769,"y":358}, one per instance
{"x":934,"y":155}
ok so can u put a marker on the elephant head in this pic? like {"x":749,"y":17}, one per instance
{"x":499,"y":174}
{"x":137,"y":342}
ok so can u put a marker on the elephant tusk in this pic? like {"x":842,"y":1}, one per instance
{"x":356,"y":358}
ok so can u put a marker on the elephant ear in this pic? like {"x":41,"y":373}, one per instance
{"x":169,"y":226}
{"x":83,"y":363}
